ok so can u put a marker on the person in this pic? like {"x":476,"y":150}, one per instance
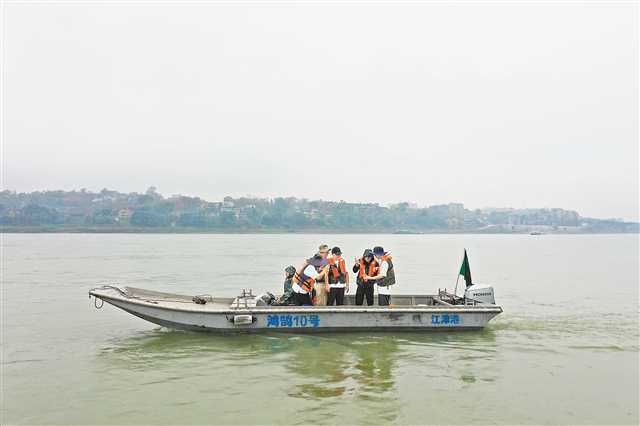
{"x":289,"y":272}
{"x":386,"y":276}
{"x":338,"y":278}
{"x":322,"y":269}
{"x":287,"y":297}
{"x":305,"y":278}
{"x":365,"y":268}
{"x":303,"y":283}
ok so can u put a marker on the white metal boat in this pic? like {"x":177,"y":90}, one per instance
{"x":247,"y":312}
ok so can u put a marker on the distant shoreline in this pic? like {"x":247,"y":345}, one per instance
{"x":312,"y":231}
{"x":108,"y":212}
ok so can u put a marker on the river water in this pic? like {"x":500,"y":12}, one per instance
{"x":565,"y":350}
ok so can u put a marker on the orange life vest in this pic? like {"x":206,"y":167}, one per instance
{"x":337,"y":270}
{"x":305,"y":282}
{"x":373,"y":269}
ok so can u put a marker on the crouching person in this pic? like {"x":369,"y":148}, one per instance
{"x":288,"y":297}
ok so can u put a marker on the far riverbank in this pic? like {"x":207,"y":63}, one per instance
{"x":187,"y":230}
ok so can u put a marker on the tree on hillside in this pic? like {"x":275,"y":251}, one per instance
{"x":34,"y":214}
{"x":149,"y":218}
{"x":104,"y":217}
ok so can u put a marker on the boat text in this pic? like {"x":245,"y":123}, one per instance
{"x":445,"y":319}
{"x":288,"y":321}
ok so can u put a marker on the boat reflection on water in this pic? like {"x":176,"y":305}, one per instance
{"x":335,"y":363}
{"x":327,"y":359}
{"x":286,"y":371}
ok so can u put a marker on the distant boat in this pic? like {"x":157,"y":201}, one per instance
{"x":536,"y":233}
{"x":407,"y":232}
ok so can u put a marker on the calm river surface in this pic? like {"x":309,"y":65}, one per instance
{"x":565,"y":351}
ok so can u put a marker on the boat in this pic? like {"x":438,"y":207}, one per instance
{"x":259,"y":313}
{"x":250,"y":313}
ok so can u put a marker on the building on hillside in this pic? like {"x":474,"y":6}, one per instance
{"x":456,"y":210}
{"x":213,"y":209}
{"x":124,"y":215}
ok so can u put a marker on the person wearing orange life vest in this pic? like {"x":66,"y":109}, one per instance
{"x":366,"y":268}
{"x":306,"y":277}
{"x":338,"y":278}
{"x":386,"y":276}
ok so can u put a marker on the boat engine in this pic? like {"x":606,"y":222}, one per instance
{"x":479,"y":293}
{"x":265,"y":299}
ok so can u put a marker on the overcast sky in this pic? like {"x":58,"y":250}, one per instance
{"x":510,"y":105}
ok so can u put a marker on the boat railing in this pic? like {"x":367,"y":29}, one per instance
{"x":242,"y":301}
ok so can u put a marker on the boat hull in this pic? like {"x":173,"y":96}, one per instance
{"x":304,"y":319}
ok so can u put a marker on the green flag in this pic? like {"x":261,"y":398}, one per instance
{"x":465,"y":271}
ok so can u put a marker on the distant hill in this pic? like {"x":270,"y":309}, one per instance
{"x":112,"y":211}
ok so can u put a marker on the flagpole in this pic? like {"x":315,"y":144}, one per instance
{"x":458,"y":279}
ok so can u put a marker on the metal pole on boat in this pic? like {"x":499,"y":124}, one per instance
{"x":458,"y":278}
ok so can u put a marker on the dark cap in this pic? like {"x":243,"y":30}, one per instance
{"x":366,"y":253}
{"x":379,"y":251}
{"x":336,"y":250}
{"x":290,"y":270}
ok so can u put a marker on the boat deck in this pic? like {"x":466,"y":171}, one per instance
{"x":181,"y":302}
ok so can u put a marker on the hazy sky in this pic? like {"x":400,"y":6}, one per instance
{"x":521,"y":105}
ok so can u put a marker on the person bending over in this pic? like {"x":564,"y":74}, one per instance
{"x":306,"y":277}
